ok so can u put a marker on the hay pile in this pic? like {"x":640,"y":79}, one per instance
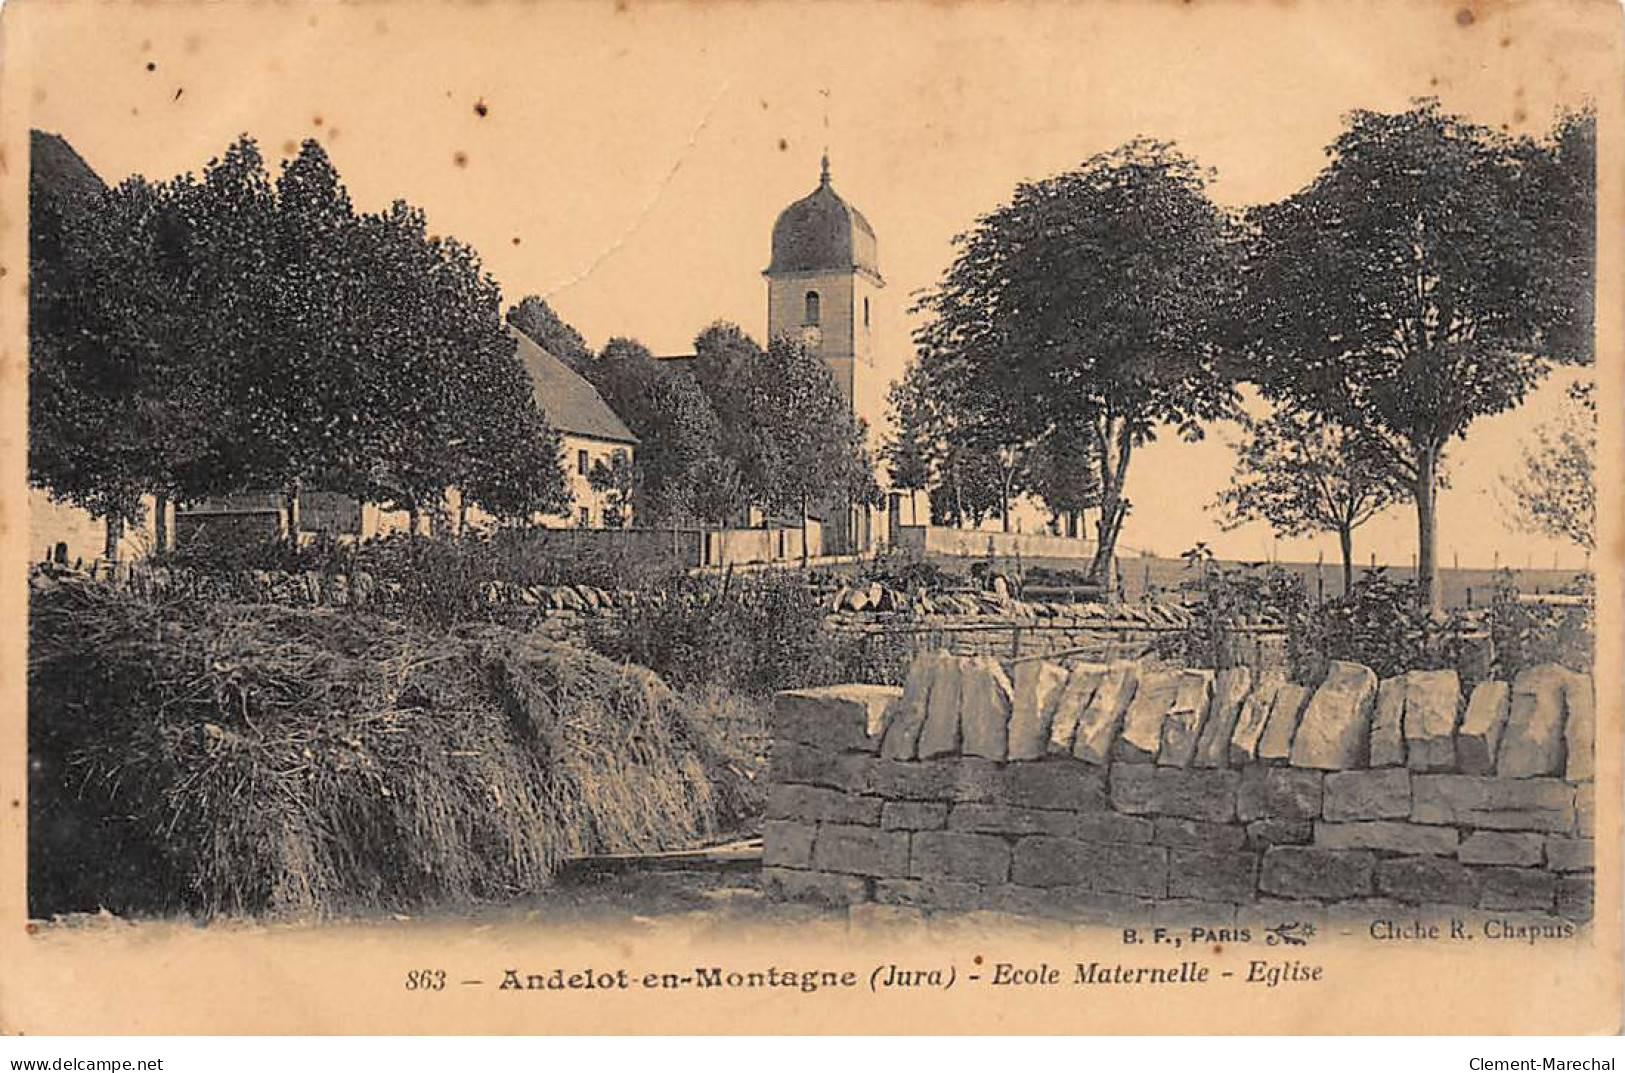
{"x":222,"y":758}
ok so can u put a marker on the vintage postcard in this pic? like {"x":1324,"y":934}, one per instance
{"x":650,"y":516}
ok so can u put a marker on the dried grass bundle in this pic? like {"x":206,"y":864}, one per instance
{"x":227,"y":758}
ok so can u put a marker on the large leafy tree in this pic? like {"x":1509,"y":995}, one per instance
{"x":1095,"y":300}
{"x":533,"y":316}
{"x":1062,"y":476}
{"x":910,"y":454}
{"x":677,"y":455}
{"x":1427,"y":277}
{"x":1302,"y":474}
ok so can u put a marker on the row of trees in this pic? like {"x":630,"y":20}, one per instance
{"x":736,"y":426}
{"x":229,"y":333}
{"x":1430,"y":275}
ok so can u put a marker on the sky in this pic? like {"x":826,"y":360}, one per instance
{"x":627,"y":160}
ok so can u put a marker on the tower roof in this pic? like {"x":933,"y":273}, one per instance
{"x":821,"y":233}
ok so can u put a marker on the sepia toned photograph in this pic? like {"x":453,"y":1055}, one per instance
{"x":809,"y":504}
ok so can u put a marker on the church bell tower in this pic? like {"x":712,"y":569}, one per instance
{"x":823,"y":287}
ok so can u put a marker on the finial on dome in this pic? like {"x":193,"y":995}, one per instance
{"x":823,"y":173}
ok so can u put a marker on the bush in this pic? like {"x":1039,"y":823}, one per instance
{"x":1229,"y":604}
{"x":1385,"y":624}
{"x":753,"y":633}
{"x":1525,"y":634}
{"x":257,"y":759}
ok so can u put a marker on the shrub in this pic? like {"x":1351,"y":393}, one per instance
{"x":256,"y":759}
{"x":1384,"y":623}
{"x":1229,"y":604}
{"x":753,"y":633}
{"x":1525,"y":633}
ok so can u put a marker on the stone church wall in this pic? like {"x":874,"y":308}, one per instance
{"x":1137,"y":793}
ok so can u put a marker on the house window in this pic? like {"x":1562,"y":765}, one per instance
{"x":812,"y":308}
{"x":586,"y":517}
{"x":581,"y":462}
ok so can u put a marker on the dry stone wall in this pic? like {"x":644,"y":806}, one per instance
{"x":1131,"y":790}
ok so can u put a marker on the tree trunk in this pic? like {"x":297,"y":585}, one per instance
{"x":1112,"y":507}
{"x":114,"y":537}
{"x":1427,"y":567}
{"x":913,"y":506}
{"x":1345,"y":542}
{"x":804,"y":531}
{"x":412,"y":517}
{"x":462,"y":515}
{"x":291,"y":500}
{"x":160,"y":522}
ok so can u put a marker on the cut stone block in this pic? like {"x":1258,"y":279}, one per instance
{"x":1532,"y":743}
{"x":984,"y":710}
{"x":1043,"y":861}
{"x":1576,"y":896}
{"x":1038,"y":688}
{"x":1427,"y":881}
{"x":790,"y":761}
{"x":959,"y":855}
{"x":820,"y":804}
{"x":834,"y":717}
{"x":1532,"y":804}
{"x":1481,"y":728}
{"x":996,"y":819}
{"x":1580,"y":727}
{"x":1570,"y":854}
{"x":1275,"y":747}
{"x":864,"y":851}
{"x":1279,"y":793}
{"x":1384,"y":794}
{"x":1141,"y":736}
{"x":1194,"y":794}
{"x":787,"y":845}
{"x":1334,"y":733}
{"x":966,"y":778}
{"x":1387,"y":724}
{"x":1183,"y":725}
{"x":914,"y":815}
{"x":1502,"y":847}
{"x":930,"y":893}
{"x":1432,"y":709}
{"x":1076,"y":696}
{"x":794,"y":884}
{"x":1230,"y":689}
{"x":1056,"y":783}
{"x":1249,"y":732}
{"x":1310,"y":872}
{"x":1390,"y":836}
{"x":1101,"y":720}
{"x":940,"y":735}
{"x":1213,"y":874}
{"x":1516,"y":888}
{"x":902,"y":737}
{"x":1195,"y":834}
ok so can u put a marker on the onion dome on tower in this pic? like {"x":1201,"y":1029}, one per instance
{"x":822,"y":233}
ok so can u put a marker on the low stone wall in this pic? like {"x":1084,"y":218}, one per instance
{"x":1132,"y":791}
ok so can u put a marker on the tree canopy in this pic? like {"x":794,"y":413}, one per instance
{"x":1093,"y":304}
{"x":1303,"y":474}
{"x":1427,"y":277}
{"x":230,"y":334}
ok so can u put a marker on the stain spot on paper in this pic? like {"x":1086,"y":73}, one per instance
{"x":460,"y":158}
{"x":1464,"y":17}
{"x":481,"y":109}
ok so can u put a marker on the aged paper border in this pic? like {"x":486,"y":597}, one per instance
{"x":240,"y":978}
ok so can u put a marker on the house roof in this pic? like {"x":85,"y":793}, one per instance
{"x":571,"y":404}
